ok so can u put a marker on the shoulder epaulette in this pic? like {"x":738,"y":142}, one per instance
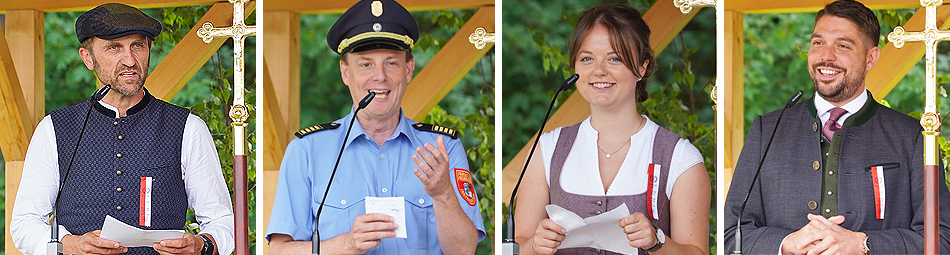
{"x":312,"y":129}
{"x":437,"y":129}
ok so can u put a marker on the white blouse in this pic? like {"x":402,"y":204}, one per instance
{"x":580,"y":167}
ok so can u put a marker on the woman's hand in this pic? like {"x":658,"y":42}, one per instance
{"x":547,"y":237}
{"x":640,"y":232}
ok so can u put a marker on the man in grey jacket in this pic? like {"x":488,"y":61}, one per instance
{"x":844,"y":173}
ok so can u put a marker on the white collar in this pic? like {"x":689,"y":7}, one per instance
{"x":822,"y":105}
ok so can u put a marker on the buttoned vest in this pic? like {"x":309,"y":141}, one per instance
{"x":586,"y":206}
{"x":111,"y":161}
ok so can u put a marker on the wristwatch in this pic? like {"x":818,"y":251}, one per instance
{"x":208,"y":248}
{"x":660,"y":239}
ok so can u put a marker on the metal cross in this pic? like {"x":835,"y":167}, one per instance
{"x":238,"y":113}
{"x":238,"y":31}
{"x":930,"y":120}
{"x":481,"y":37}
{"x":687,"y":5}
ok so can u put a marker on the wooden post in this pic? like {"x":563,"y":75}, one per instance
{"x":733,"y":82}
{"x":25,"y":35}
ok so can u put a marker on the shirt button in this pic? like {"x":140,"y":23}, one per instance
{"x":118,"y":155}
{"x":115,"y":123}
{"x":382,"y":155}
{"x":422,"y":201}
{"x":119,"y":189}
{"x":829,"y":193}
{"x":599,"y":203}
{"x":827,"y":210}
{"x":598,"y":251}
{"x":826,"y":154}
{"x":118,"y":172}
{"x":384,"y":190}
{"x":599,"y":212}
{"x":343,"y":202}
{"x":815,"y":165}
{"x":118,"y":207}
{"x":831,"y":172}
{"x":120,"y":137}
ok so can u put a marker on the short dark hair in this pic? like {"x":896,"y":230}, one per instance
{"x":856,"y":12}
{"x":629,"y":37}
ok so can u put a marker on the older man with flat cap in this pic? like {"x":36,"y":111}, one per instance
{"x":139,"y":159}
{"x":387,"y":155}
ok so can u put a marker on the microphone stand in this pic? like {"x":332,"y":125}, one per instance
{"x":315,"y":248}
{"x":54,"y":247}
{"x":738,"y":236}
{"x":508,"y":245}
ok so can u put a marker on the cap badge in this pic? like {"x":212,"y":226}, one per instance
{"x":377,"y":8}
{"x":377,"y":27}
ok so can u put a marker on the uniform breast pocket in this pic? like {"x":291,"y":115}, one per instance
{"x":420,"y":219}
{"x":343,"y":204}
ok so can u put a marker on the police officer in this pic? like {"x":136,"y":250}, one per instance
{"x":386,"y":155}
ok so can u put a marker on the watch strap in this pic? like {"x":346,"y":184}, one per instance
{"x":208,"y":248}
{"x":659,"y":243}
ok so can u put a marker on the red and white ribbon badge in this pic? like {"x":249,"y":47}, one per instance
{"x":145,"y":202}
{"x":653,"y":188}
{"x":877,"y":174}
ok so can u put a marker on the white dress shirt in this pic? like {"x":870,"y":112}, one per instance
{"x":207,"y":192}
{"x":584,"y":178}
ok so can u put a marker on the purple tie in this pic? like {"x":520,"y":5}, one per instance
{"x":832,"y":124}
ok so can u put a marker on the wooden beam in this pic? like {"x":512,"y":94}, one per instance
{"x":447,"y":67}
{"x":177,"y":68}
{"x":275,"y":142}
{"x":14,"y":171}
{"x":312,"y":7}
{"x":734,"y":83}
{"x":282,"y":54}
{"x":759,"y":6}
{"x":665,"y":21}
{"x":25,"y":34}
{"x":15,"y":120}
{"x":894,"y":63}
{"x":85,"y":5}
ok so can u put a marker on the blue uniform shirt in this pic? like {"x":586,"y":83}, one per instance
{"x":366,"y":169}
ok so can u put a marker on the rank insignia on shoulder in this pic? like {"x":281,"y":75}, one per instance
{"x":312,"y":129}
{"x":437,"y":129}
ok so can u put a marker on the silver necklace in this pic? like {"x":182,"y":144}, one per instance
{"x":618,"y":149}
{"x":624,"y":144}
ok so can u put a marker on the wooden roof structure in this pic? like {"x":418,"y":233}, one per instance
{"x":281,"y":79}
{"x":22,"y":72}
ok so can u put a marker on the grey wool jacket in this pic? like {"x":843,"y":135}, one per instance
{"x":790,"y":184}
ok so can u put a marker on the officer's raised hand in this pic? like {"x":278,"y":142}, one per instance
{"x":433,"y":170}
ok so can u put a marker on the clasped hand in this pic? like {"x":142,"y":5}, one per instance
{"x":824,"y":236}
{"x":91,"y":243}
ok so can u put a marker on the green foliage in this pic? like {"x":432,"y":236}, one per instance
{"x":469,"y":107}
{"x":536,"y":58}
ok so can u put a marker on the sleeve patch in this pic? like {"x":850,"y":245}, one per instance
{"x":466,"y":188}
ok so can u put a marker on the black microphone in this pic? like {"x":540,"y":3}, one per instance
{"x":738,"y":237}
{"x":54,"y":247}
{"x":509,"y":243}
{"x":315,"y":248}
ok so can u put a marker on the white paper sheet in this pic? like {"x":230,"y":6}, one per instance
{"x":129,"y":236}
{"x":601,"y":232}
{"x":392,"y":206}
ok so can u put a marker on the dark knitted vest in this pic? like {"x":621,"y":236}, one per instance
{"x":113,"y":156}
{"x":586,"y":206}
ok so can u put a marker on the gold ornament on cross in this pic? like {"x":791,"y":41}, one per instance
{"x":930,"y":36}
{"x":687,"y":5}
{"x":238,"y":31}
{"x":481,"y":38}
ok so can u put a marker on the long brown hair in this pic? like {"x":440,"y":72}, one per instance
{"x":629,"y":37}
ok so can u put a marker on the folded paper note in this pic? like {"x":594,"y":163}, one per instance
{"x":601,"y":232}
{"x":392,"y":206}
{"x":129,"y":236}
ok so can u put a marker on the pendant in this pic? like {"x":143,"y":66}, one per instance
{"x":608,"y":155}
